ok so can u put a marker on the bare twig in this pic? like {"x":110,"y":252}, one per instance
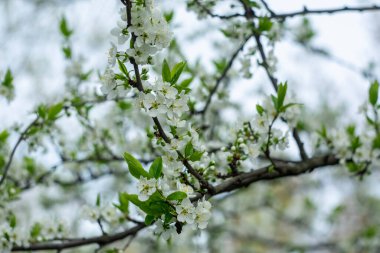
{"x":307,"y":11}
{"x":19,"y":140}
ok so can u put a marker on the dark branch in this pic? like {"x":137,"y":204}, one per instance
{"x":282,"y":169}
{"x":306,"y":11}
{"x":211,"y":14}
{"x":19,"y":140}
{"x":222,"y":76}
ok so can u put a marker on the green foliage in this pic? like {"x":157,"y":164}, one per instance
{"x":67,"y":52}
{"x":64,"y":28}
{"x":30,"y":165}
{"x":374,"y":93}
{"x":166,"y":75}
{"x":196,"y":156}
{"x":123,"y":205}
{"x":149,"y":219}
{"x":155,"y":169}
{"x":135,"y":167}
{"x":189,"y":149}
{"x":123,"y":68}
{"x":155,"y":206}
{"x":178,"y":195}
{"x":54,"y":110}
{"x":35,"y":231}
{"x":259,"y":109}
{"x":12,"y":220}
{"x":265,"y":24}
{"x":3,"y":137}
{"x":169,"y":16}
{"x":8,"y":80}
{"x":172,"y":76}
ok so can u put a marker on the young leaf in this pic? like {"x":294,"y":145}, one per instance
{"x":12,"y":220}
{"x":54,"y":111}
{"x":281,"y":93}
{"x":374,"y":93}
{"x":3,"y":136}
{"x":274,"y":100}
{"x":265,"y":24}
{"x":178,"y":195}
{"x":259,"y":109}
{"x":122,"y":68}
{"x":189,"y":149}
{"x":123,"y":205}
{"x":149,"y":219}
{"x":67,"y":52}
{"x":98,"y":200}
{"x":135,"y":167}
{"x":64,"y":28}
{"x":166,"y":74}
{"x":176,"y":72}
{"x":155,"y":169}
{"x":8,"y":80}
{"x":196,"y":156}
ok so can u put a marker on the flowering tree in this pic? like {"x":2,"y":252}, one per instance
{"x":172,"y":152}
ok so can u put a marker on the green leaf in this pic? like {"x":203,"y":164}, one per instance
{"x":196,"y":156}
{"x":274,"y":100}
{"x":67,"y":52}
{"x":178,"y":195}
{"x":8,"y":80}
{"x":3,"y":137}
{"x":135,"y":167}
{"x":123,"y":205}
{"x":176,"y":72}
{"x":36,"y":230}
{"x":64,"y":28}
{"x":149,"y":219}
{"x":166,"y":74}
{"x":169,"y":16}
{"x":376,"y":142}
{"x":155,"y":205}
{"x":98,"y":199}
{"x":12,"y":220}
{"x":124,"y":105}
{"x":265,"y":24}
{"x":30,"y":165}
{"x":374,"y":93}
{"x":155,"y":169}
{"x":54,"y":111}
{"x":259,"y":109}
{"x":186,"y":83}
{"x":189,"y":149}
{"x":285,"y":107}
{"x":122,"y":68}
{"x":281,"y":93}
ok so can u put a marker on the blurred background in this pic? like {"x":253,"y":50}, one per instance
{"x":329,"y":72}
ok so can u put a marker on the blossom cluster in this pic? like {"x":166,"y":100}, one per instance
{"x":11,"y":234}
{"x":196,"y":214}
{"x":163,"y":99}
{"x":149,"y":33}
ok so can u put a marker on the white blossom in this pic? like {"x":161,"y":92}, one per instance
{"x":185,"y":211}
{"x":146,"y":188}
{"x":202,"y":214}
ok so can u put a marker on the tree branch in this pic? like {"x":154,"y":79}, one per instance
{"x":20,"y":139}
{"x":282,"y":169}
{"x":223,"y":75}
{"x":211,"y":14}
{"x":306,"y":11}
{"x":100,"y":240}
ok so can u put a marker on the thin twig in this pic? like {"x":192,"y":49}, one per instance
{"x":20,"y":139}
{"x":307,"y":11}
